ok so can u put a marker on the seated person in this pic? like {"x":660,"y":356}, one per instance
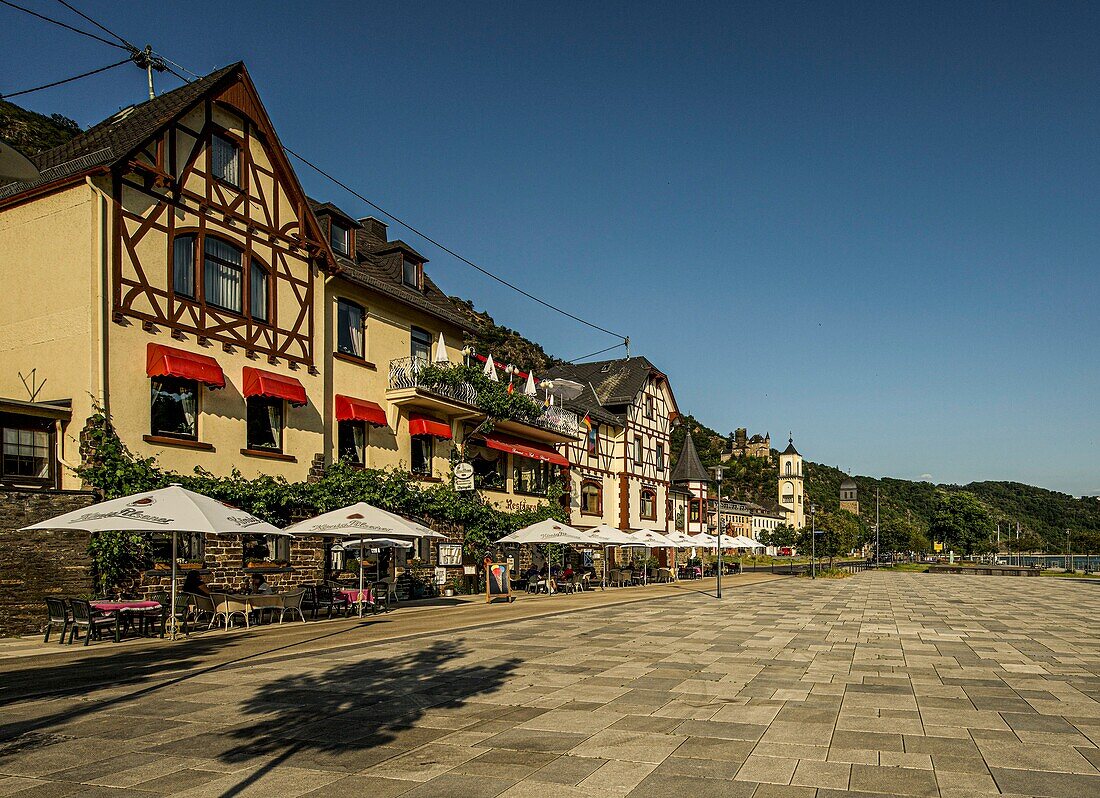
{"x":260,"y":587}
{"x":195,"y":585}
{"x":567,"y":573}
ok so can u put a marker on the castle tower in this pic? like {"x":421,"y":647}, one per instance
{"x":790,"y":485}
{"x":849,"y":496}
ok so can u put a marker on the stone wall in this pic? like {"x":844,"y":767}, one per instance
{"x":34,"y":565}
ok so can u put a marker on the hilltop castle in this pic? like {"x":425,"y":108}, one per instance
{"x":743,"y":446}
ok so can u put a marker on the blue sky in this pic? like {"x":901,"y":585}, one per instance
{"x":874,"y":224}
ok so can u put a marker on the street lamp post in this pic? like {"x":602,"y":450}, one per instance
{"x":878,"y":553}
{"x":1069,"y":553}
{"x":718,"y":477}
{"x":813,"y":541}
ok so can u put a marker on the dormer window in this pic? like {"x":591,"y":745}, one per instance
{"x":225,"y":159}
{"x":410,"y":273}
{"x":339,"y":239}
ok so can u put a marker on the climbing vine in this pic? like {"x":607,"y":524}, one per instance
{"x":110,"y":466}
{"x":493,"y":397}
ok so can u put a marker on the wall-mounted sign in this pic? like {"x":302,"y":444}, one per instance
{"x":464,"y":476}
{"x":450,"y":554}
{"x":441,"y":576}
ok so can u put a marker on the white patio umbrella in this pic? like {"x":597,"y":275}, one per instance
{"x":744,"y":542}
{"x":650,"y":539}
{"x":173,"y":509}
{"x":547,"y":531}
{"x":607,"y":535}
{"x":372,"y":543}
{"x":441,"y":351}
{"x":364,"y":521}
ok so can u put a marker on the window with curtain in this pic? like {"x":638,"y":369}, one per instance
{"x":694,"y":510}
{"x":410,"y":273}
{"x":225,"y":159}
{"x":530,"y":476}
{"x":591,"y":498}
{"x":421,"y":343}
{"x":648,"y":505}
{"x":183,"y":266}
{"x":338,"y":237}
{"x":265,"y":423}
{"x":257,"y":287}
{"x":26,"y":452}
{"x":351,"y":441}
{"x":174,"y":407}
{"x":421,"y":459}
{"x":350,"y":328}
{"x":222,"y":274}
{"x":638,"y":451}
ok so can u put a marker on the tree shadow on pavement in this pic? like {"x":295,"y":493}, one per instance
{"x":356,"y":714}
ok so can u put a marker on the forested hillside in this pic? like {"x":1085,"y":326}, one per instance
{"x":32,"y":133}
{"x":905,"y":506}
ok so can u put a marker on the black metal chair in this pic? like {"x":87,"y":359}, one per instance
{"x":183,"y":610}
{"x":380,"y":593}
{"x":57,"y":614}
{"x":91,"y":620}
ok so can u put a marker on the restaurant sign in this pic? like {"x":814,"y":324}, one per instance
{"x":464,"y":476}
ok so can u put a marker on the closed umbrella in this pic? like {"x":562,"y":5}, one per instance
{"x":173,"y":509}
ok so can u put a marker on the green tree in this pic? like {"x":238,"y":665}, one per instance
{"x":962,"y":523}
{"x":1029,"y":541}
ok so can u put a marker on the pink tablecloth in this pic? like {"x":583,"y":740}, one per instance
{"x":121,"y":606}
{"x":352,"y":595}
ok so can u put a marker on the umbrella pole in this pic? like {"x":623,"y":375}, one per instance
{"x":360,"y":581}
{"x":172,"y":617}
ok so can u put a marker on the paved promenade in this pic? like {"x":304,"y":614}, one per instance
{"x":882,"y":684}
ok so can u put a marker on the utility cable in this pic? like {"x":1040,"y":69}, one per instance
{"x":66,"y":80}
{"x":593,"y":354}
{"x":65,"y":25}
{"x":450,"y":251}
{"x":624,"y":339}
{"x":103,"y":28}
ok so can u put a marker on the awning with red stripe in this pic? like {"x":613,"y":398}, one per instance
{"x":426,"y":425}
{"x":274,"y":386}
{"x":349,"y":408}
{"x":536,"y":451}
{"x":166,"y":361}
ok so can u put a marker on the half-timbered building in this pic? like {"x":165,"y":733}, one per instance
{"x":619,"y":465}
{"x":168,"y":268}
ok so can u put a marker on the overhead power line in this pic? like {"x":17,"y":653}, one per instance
{"x":451,"y":252}
{"x":162,"y":63}
{"x":9,"y":95}
{"x":103,"y":28}
{"x":65,"y":25}
{"x":593,"y":354}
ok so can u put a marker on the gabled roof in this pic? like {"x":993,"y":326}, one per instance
{"x":377,"y":264}
{"x":689,"y":468}
{"x":115,"y":138}
{"x":609,"y":385}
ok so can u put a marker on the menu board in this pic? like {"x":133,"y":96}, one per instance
{"x":498,"y":583}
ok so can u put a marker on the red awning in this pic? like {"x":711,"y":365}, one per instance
{"x":426,"y":425}
{"x":165,"y":361}
{"x":350,"y":409}
{"x":536,"y":451}
{"x":275,"y":386}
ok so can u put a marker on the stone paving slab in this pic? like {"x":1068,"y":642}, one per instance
{"x":878,"y":685}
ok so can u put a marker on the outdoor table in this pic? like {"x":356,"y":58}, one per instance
{"x":354,"y":595}
{"x":257,"y":602}
{"x":120,"y":608}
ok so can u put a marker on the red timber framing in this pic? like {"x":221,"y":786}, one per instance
{"x":155,"y":185}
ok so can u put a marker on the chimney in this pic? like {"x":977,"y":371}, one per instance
{"x":375,"y":228}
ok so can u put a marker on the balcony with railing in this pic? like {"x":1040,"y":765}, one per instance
{"x":407,"y":386}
